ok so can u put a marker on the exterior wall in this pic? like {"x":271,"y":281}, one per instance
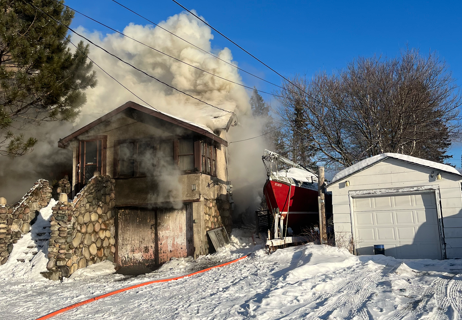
{"x":15,"y":221}
{"x":393,"y":173}
{"x":82,"y":231}
{"x":147,"y":238}
{"x":139,"y":192}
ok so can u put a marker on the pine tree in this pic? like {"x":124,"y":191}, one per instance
{"x":303,"y":151}
{"x":40,"y":78}
{"x":258,"y":105}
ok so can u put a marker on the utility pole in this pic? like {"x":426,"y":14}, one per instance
{"x":322,"y":207}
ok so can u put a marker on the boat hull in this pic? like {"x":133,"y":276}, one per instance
{"x":301,"y":205}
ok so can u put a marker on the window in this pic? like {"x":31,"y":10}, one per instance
{"x":209,"y":156}
{"x":136,"y":158}
{"x":126,"y":159}
{"x":186,"y":154}
{"x":91,"y":158}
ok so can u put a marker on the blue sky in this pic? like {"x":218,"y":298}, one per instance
{"x":307,"y":37}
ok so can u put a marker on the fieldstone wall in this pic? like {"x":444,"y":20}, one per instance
{"x":83,"y":231}
{"x":15,"y":221}
{"x":217,"y":213}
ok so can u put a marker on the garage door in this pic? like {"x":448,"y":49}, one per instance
{"x":407,"y":225}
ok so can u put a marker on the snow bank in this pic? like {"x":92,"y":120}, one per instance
{"x":95,"y":270}
{"x":369,"y":161}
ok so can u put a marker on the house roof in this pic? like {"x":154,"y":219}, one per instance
{"x":381,"y":157}
{"x":203,"y":130}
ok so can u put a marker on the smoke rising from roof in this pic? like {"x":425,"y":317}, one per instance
{"x":246,"y":167}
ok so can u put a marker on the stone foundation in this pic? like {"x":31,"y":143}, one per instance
{"x":15,"y":221}
{"x":83,"y":231}
{"x":217,"y":213}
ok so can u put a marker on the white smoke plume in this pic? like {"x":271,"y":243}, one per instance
{"x":107,"y":94}
{"x":245,"y":158}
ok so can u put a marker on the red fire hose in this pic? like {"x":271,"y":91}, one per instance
{"x":73,"y":306}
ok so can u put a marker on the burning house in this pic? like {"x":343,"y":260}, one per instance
{"x":170,"y":177}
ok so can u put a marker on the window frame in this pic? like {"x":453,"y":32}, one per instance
{"x":208,"y":158}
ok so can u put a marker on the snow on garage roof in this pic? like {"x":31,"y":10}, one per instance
{"x":370,"y":161}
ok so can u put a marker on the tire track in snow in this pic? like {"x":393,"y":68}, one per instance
{"x":354,"y":293}
{"x":437,"y":290}
{"x":455,"y":295}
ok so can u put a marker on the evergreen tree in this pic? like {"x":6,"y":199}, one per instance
{"x":258,"y":105}
{"x":302,"y":147}
{"x":40,"y":78}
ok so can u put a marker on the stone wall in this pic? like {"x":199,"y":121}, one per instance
{"x":15,"y":221}
{"x":217,"y":213}
{"x":82,"y":231}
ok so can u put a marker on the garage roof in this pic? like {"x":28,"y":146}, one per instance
{"x":372,"y":160}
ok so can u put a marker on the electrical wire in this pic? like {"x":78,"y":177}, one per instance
{"x":127,"y":63}
{"x":264,"y":134}
{"x":195,"y":46}
{"x":126,"y":88}
{"x":121,"y":84}
{"x":166,"y":54}
{"x":200,"y":19}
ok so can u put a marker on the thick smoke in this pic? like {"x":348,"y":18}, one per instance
{"x":246,"y":170}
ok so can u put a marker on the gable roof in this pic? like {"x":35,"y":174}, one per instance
{"x":381,"y":157}
{"x":203,"y":130}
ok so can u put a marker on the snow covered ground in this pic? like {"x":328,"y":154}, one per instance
{"x":305,"y":282}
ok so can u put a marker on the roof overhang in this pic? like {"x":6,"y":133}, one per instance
{"x":63,"y":143}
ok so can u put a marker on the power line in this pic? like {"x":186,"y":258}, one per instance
{"x":264,"y":134}
{"x":195,"y":46}
{"x":166,"y":54}
{"x":120,"y":59}
{"x":200,"y":19}
{"x":121,"y":84}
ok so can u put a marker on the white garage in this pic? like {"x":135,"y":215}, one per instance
{"x":411,"y":206}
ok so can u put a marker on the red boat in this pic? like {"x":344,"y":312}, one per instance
{"x":291,"y":195}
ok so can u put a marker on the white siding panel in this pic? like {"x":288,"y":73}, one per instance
{"x":344,"y":208}
{"x":452,"y":212}
{"x":453,"y":222}
{"x":343,"y":227}
{"x":451,"y":202}
{"x":450,"y":232}
{"x":453,"y":253}
{"x":454,"y":242}
{"x":339,"y":218}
